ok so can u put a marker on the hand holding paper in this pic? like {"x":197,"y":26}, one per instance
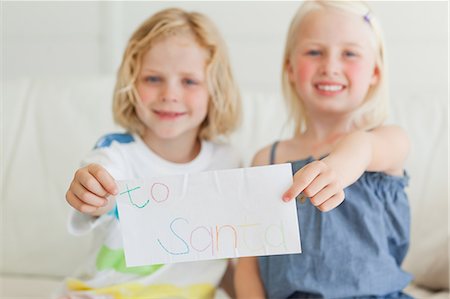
{"x":208,"y":215}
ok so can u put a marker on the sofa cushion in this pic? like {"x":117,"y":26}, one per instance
{"x":51,"y":123}
{"x":426,"y":120}
{"x":28,"y":286}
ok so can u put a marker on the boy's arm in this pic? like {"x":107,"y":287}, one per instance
{"x":383,"y":149}
{"x":89,"y":190}
{"x":247,"y":281}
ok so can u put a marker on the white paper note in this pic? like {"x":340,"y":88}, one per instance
{"x":208,"y":215}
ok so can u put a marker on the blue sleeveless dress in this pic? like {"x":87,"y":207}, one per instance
{"x":353,"y":251}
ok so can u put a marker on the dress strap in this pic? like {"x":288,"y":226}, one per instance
{"x":272,"y":152}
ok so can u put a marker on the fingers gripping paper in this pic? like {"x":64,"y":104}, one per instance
{"x":208,"y":215}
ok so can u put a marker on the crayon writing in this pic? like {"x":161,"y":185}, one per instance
{"x":159,"y":189}
{"x":202,"y":237}
{"x":128,"y":191}
{"x":159,"y":192}
{"x":178,"y":237}
{"x":210,"y":215}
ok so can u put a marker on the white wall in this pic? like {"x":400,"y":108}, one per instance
{"x":81,"y":38}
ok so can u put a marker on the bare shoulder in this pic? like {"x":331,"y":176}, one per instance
{"x":391,"y":130}
{"x":262,"y":157}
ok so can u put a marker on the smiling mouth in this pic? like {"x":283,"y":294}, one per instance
{"x":168,"y":114}
{"x":330,"y":87}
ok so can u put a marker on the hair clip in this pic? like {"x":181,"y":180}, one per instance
{"x":367,"y":17}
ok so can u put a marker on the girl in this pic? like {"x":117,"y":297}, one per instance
{"x":334,"y":79}
{"x":174,"y":94}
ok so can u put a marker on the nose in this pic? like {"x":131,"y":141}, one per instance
{"x":331,"y":65}
{"x":170,"y":92}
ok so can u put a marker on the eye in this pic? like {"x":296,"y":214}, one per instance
{"x":350,"y":54}
{"x":152,"y":79}
{"x":188,"y":81}
{"x":313,"y":53}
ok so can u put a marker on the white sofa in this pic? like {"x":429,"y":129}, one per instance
{"x":49,"y":124}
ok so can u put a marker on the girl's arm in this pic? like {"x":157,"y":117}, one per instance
{"x":383,"y":149}
{"x":247,"y":282}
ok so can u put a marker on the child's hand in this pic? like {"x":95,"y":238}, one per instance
{"x":90,"y":187}
{"x":320,"y":183}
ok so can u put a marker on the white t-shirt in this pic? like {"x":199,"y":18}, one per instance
{"x":126,"y":156}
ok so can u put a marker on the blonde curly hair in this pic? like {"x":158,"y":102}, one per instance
{"x":224,"y":108}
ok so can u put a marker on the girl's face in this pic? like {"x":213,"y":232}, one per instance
{"x":172,"y":88}
{"x":333,"y":64}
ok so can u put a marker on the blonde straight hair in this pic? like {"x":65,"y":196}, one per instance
{"x":374,"y":109}
{"x":224,"y":110}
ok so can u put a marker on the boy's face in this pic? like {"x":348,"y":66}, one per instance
{"x":333,"y":64}
{"x":172,"y":88}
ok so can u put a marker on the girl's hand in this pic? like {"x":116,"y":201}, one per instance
{"x":90,"y":187}
{"x":320,"y":183}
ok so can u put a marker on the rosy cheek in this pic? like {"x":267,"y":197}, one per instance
{"x":359,"y":71}
{"x":196,"y":97}
{"x":304,"y":70}
{"x":145,"y":93}
{"x":354,"y":70}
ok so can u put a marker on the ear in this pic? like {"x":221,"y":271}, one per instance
{"x":375,"y":76}
{"x":290,"y":71}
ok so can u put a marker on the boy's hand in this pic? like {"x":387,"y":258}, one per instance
{"x":320,"y":183}
{"x":89,"y":188}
